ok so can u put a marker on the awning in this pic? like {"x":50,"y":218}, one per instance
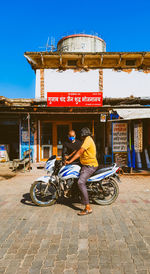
{"x":132,"y":113}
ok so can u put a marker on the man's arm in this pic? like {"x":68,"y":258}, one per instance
{"x":69,"y":156}
{"x":76,"y":156}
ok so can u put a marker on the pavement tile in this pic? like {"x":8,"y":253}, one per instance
{"x":53,"y":249}
{"x":82,"y":267}
{"x":61,"y":255}
{"x":50,"y":260}
{"x":142,"y":272}
{"x":94,"y":271}
{"x":46,"y":271}
{"x":71,"y":265}
{"x":129,"y":267}
{"x":69,"y":271}
{"x":93,"y":262}
{"x":59,"y":267}
{"x":83,"y":255}
{"x":27,"y":260}
{"x":2,"y":270}
{"x":82,"y":244}
{"x":72,"y":250}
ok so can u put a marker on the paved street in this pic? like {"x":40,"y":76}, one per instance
{"x":114,"y":239}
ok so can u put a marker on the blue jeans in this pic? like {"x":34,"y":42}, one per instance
{"x":86,"y":172}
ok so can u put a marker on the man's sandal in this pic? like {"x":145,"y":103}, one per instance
{"x":85,"y":212}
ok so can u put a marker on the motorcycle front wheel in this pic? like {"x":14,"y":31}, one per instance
{"x":43,"y":194}
{"x":107,"y":193}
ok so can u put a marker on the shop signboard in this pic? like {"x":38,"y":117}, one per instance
{"x":138,"y":137}
{"x":119,"y":137}
{"x":25,"y":141}
{"x":25,"y":136}
{"x":74,"y":99}
{"x":103,"y":118}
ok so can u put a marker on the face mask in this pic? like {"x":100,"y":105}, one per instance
{"x":71,"y":138}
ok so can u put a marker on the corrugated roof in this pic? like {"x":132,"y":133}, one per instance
{"x":133,"y":114}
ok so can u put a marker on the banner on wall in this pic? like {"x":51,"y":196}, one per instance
{"x":119,"y":137}
{"x":138,"y":137}
{"x":74,"y":99}
{"x":25,"y":141}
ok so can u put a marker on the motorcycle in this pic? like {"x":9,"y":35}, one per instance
{"x":61,"y":180}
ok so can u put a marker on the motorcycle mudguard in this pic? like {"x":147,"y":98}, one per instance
{"x":44,"y":179}
{"x":117,"y":177}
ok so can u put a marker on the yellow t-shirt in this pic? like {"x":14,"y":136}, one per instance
{"x":88,"y":157}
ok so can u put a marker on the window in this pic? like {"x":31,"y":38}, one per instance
{"x":130,"y":62}
{"x":72,"y":63}
{"x":46,"y":140}
{"x":46,"y":133}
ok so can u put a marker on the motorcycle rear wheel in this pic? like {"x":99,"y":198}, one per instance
{"x":41,"y":197}
{"x":110,"y":193}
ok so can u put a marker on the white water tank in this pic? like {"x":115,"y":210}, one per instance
{"x":81,"y":43}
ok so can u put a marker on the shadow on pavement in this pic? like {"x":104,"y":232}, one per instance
{"x":63,"y":201}
{"x":27,"y":200}
{"x":68,"y":202}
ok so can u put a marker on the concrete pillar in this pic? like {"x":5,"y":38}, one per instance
{"x":42,"y":83}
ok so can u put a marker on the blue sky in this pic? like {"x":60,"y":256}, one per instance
{"x":26,"y":25}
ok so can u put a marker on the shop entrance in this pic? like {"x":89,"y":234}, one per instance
{"x":54,"y":134}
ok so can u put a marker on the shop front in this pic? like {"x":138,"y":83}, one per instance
{"x":122,"y":135}
{"x":131,"y":137}
{"x":31,"y":124}
{"x":49,"y":132}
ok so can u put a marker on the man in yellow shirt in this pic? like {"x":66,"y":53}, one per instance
{"x":87,"y":154}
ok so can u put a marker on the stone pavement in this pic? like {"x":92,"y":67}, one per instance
{"x":114,"y":239}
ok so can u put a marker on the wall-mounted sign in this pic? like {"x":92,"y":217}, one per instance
{"x":25,"y":136}
{"x":25,"y":140}
{"x":74,"y":99}
{"x":119,"y":137}
{"x":138,"y":137}
{"x":103,"y":118}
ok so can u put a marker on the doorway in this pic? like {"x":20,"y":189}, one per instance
{"x":53,"y":135}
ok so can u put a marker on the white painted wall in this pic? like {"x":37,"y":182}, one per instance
{"x":123,"y":84}
{"x":116,"y":84}
{"x":67,"y":81}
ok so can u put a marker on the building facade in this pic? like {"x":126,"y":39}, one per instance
{"x":53,"y":128}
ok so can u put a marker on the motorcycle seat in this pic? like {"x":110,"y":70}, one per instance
{"x":101,"y":170}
